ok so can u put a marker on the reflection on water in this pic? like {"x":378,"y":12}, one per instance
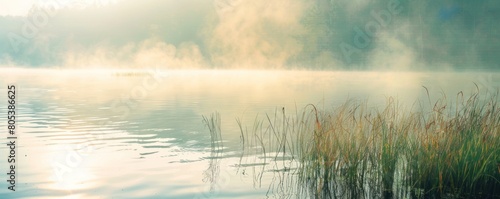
{"x":88,"y":134}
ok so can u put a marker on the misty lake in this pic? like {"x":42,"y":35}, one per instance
{"x":140,"y":134}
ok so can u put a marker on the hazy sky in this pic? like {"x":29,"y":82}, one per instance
{"x":320,"y":34}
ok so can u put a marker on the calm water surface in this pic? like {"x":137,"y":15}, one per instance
{"x":130,"y":134}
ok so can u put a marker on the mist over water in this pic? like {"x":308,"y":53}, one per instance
{"x":159,"y":98}
{"x":283,"y":34}
{"x":133,"y":140}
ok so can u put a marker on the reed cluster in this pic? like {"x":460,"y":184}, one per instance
{"x":445,"y":149}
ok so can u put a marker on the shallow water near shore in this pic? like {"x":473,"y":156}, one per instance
{"x":140,"y":134}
